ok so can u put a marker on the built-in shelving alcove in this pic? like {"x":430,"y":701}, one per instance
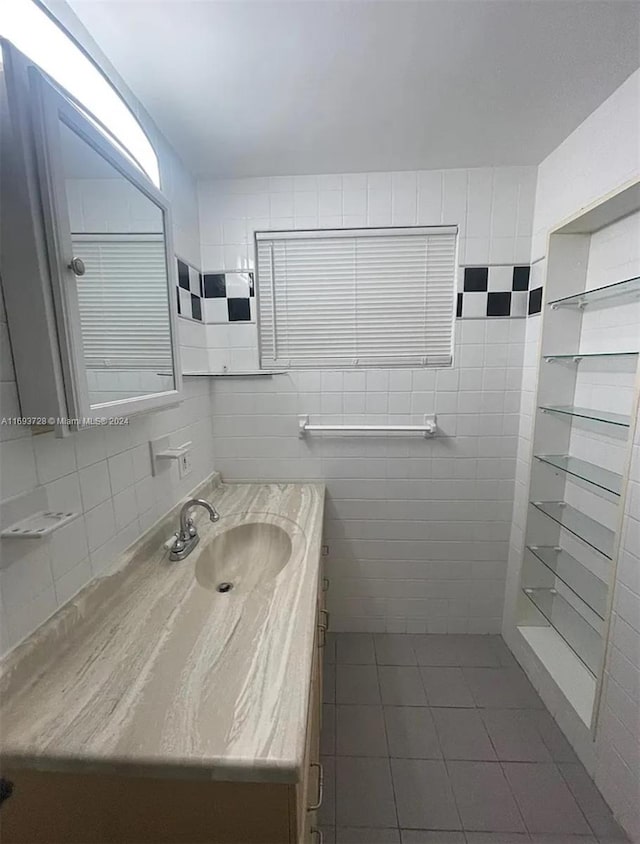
{"x":586,"y":410}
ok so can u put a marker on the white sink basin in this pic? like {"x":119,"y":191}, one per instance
{"x":244,"y":557}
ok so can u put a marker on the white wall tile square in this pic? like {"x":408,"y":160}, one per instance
{"x":404,"y":205}
{"x":305,"y":203}
{"x":329,"y":181}
{"x":18,"y":467}
{"x":281,"y":204}
{"x":234,"y":231}
{"x":501,"y":279}
{"x":280,"y":184}
{"x":215,"y":310}
{"x":354,"y":181}
{"x":125,"y":507}
{"x":504,"y":204}
{"x":95,"y":486}
{"x":479,"y":198}
{"x":90,"y":446}
{"x":354,"y":202}
{"x":429,"y":198}
{"x":476,"y":250}
{"x":212,"y":256}
{"x":121,"y":471}
{"x":454,"y":198}
{"x":379,"y":207}
{"x":330,"y":203}
{"x":305,"y":183}
{"x":100,"y":524}
{"x":32,"y":577}
{"x":54,"y":457}
{"x":68,"y":547}
{"x":257,"y":205}
{"x":64,"y":494}
{"x":68,"y":584}
{"x":474,"y":305}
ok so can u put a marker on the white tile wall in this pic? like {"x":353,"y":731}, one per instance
{"x":602,"y":154}
{"x":232,"y":210}
{"x":106,"y":476}
{"x":492,"y":206}
{"x":193,"y":346}
{"x":417,"y":529}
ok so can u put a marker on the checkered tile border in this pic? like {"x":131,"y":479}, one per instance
{"x":189,"y":291}
{"x":215,"y":297}
{"x":496,"y":291}
{"x":228,"y":297}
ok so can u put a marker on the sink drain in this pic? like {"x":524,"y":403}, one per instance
{"x":224,"y":587}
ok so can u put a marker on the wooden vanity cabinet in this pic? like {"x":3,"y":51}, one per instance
{"x":50,"y":807}
{"x":310,"y":791}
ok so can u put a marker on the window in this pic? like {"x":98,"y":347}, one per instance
{"x":357,"y":297}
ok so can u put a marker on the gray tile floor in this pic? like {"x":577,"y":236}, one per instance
{"x":443,"y":740}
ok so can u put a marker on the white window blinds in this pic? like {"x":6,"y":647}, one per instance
{"x":361,"y":297}
{"x":123,"y":301}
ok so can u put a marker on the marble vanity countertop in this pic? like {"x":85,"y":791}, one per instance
{"x":149,"y":672}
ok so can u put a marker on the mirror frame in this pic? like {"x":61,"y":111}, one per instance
{"x":48,"y":108}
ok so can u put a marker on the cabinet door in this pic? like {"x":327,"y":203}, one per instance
{"x":111,"y":263}
{"x":310,"y":790}
{"x":323,"y":632}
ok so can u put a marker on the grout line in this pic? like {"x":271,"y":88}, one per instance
{"x":504,"y":775}
{"x":453,"y":794}
{"x":386,"y":738}
{"x":514,"y":796}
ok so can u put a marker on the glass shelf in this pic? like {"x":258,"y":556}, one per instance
{"x":582,"y":582}
{"x":589,"y":472}
{"x":606,"y":416}
{"x":582,"y":638}
{"x":621,"y":290}
{"x":576,"y":357}
{"x":588,"y":530}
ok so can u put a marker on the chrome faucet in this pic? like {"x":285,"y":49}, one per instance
{"x":187,"y":537}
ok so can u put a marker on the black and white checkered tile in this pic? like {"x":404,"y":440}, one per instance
{"x":215,"y":297}
{"x":497,"y":291}
{"x":228,"y":297}
{"x":189,"y":291}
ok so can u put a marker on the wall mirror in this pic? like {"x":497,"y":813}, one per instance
{"x":111,"y":261}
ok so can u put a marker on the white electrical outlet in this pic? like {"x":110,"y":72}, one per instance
{"x":184,"y":462}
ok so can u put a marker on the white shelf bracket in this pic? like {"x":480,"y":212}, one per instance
{"x":303,"y":421}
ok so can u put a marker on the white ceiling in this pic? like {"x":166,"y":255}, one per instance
{"x":265,"y":87}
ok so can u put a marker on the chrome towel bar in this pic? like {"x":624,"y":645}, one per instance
{"x":427,"y":429}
